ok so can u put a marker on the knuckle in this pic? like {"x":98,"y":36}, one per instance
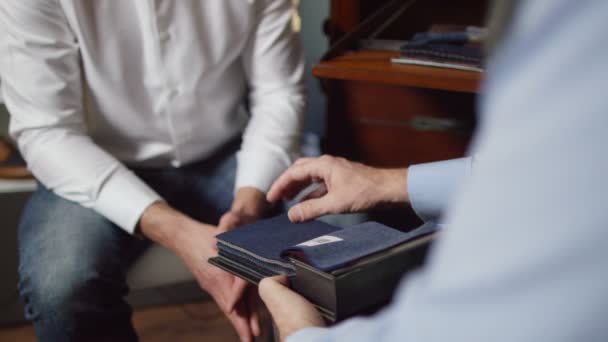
{"x":341,"y":160}
{"x":327,"y":159}
{"x":309,"y":208}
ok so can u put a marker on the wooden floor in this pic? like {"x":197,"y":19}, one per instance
{"x":179,"y":323}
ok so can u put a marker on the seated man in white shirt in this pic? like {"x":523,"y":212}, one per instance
{"x":523,"y":257}
{"x":131,"y":115}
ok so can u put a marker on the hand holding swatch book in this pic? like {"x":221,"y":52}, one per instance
{"x":343,"y":271}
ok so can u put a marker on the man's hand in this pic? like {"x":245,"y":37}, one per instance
{"x":290,"y":311}
{"x":344,"y":187}
{"x":195,"y":243}
{"x":248,"y":206}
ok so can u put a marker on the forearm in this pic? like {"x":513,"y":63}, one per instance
{"x":391,"y":187}
{"x":170,"y":228}
{"x":428,"y":187}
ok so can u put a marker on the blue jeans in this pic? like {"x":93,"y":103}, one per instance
{"x":73,"y":261}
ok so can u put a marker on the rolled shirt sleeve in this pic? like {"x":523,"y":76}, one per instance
{"x":384,"y":326}
{"x":42,"y":81}
{"x":274,"y":66}
{"x":308,"y":334}
{"x":430,"y":186}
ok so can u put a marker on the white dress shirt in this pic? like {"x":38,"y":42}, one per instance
{"x":524,"y":256}
{"x":93,"y":86}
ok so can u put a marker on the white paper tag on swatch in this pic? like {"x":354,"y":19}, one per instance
{"x":321,"y":240}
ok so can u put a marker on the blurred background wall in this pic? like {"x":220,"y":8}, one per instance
{"x":312,"y":14}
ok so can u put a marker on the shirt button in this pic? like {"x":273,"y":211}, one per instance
{"x":164,"y":36}
{"x":172,"y":93}
{"x":176,"y":163}
{"x":173,"y":90}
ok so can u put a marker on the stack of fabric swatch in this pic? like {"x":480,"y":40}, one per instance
{"x":255,"y":250}
{"x":342,"y":270}
{"x":453,"y":49}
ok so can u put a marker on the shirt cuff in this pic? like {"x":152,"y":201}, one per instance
{"x":430,"y":186}
{"x":308,"y":335}
{"x":260,"y":170}
{"x":123,"y":199}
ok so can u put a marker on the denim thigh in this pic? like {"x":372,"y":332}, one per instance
{"x":73,"y":261}
{"x":72,"y":271}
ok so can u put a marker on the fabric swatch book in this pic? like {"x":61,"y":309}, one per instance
{"x":344,"y":271}
{"x":460,"y":49}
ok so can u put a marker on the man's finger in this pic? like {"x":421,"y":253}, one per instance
{"x":321,"y":190}
{"x":288,"y":191}
{"x":254,"y":323}
{"x":304,"y":160}
{"x":228,"y":221}
{"x":240,"y":322}
{"x":294,"y":188}
{"x":297,"y":177}
{"x":311,"y":209}
{"x":237,"y":290}
{"x":254,"y":314}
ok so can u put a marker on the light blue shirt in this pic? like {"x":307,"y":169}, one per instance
{"x":431,"y":186}
{"x":525,"y":257}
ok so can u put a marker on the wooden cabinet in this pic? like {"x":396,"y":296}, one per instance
{"x":392,"y":115}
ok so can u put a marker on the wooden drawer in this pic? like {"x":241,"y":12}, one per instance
{"x":391,"y":126}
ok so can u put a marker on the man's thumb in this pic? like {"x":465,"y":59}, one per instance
{"x":275,"y":294}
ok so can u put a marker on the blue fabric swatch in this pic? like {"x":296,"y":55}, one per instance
{"x":262,"y":243}
{"x":445,"y":46}
{"x":265,"y":245}
{"x":339,"y":248}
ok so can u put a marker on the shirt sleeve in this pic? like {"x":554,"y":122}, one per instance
{"x":430,"y":186}
{"x":42,"y":81}
{"x":384,"y":326}
{"x":274,"y":65}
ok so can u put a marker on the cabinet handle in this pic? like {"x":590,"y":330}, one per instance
{"x":431,"y":124}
